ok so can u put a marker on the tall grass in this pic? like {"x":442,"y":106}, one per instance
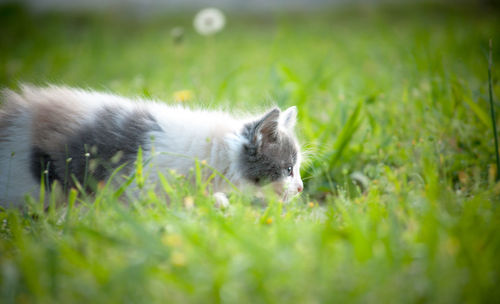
{"x":398,"y":95}
{"x":492,"y":110}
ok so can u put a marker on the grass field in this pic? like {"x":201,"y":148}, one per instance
{"x":397,"y":95}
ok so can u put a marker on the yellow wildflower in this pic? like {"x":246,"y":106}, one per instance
{"x":100,"y":185}
{"x":183,"y":95}
{"x":178,"y":259}
{"x":188,"y":202}
{"x":172,"y":240}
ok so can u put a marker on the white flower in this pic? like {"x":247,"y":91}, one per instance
{"x":209,"y":21}
{"x":221,"y":200}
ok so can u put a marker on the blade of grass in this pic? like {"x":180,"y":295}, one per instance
{"x":73,"y":193}
{"x":492,"y":110}
{"x":139,"y":169}
{"x":198,"y":176}
{"x":165,"y":184}
{"x":346,"y":135}
{"x":480,"y":113}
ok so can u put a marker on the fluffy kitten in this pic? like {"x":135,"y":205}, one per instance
{"x":59,"y":131}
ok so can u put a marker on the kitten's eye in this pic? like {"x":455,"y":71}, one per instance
{"x":290,"y":171}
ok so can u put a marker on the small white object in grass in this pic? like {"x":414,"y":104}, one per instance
{"x":209,"y":21}
{"x":221,"y":200}
{"x":189,"y":202}
{"x":361,"y":180}
{"x":177,"y":34}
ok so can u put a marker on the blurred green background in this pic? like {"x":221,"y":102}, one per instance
{"x":400,"y":200}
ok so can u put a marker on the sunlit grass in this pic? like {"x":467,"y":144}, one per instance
{"x":397,"y":95}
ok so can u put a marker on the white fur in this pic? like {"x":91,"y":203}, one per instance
{"x":213,"y":136}
{"x":197,"y":134}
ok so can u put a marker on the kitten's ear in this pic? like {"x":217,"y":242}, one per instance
{"x":289,"y":117}
{"x":266,"y":128}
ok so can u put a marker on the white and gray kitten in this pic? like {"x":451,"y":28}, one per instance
{"x":58,"y":131}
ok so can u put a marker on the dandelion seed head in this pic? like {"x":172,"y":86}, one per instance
{"x":177,"y":34}
{"x":209,"y":21}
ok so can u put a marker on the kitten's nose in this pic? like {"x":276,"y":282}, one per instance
{"x":300,"y":188}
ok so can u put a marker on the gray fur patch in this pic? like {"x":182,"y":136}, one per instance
{"x":100,"y":147}
{"x":9,"y":112}
{"x":266,"y":159}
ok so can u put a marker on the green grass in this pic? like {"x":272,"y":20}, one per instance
{"x":398,"y":94}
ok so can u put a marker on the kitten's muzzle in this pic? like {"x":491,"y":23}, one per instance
{"x":288,"y":189}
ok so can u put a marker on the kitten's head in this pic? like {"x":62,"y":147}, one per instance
{"x":271,"y":153}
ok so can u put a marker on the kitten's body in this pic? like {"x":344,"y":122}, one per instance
{"x":67,"y":132}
